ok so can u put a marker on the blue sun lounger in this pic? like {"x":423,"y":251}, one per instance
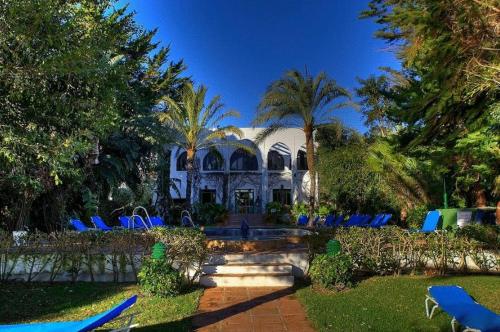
{"x":84,"y":325}
{"x":457,"y":303}
{"x":80,"y":226}
{"x":380,"y":220}
{"x":99,"y":223}
{"x":354,"y":220}
{"x":375,"y":221}
{"x":431,"y":222}
{"x":338,"y":221}
{"x":364,"y":221}
{"x":156,"y":221}
{"x":129,"y":223}
{"x":385,"y":219}
{"x":329,"y":220}
{"x":303,"y":220}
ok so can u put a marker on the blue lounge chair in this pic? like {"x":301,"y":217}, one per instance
{"x":375,"y":221}
{"x":88,"y":324}
{"x":99,"y":223}
{"x":385,"y":219}
{"x":80,"y":226}
{"x":353,"y":220}
{"x":364,"y":221}
{"x":302,"y":221}
{"x":338,"y":221}
{"x":457,"y":303}
{"x":431,"y":222}
{"x":316,"y":221}
{"x":156,"y":221}
{"x":129,"y":223}
{"x":329,"y":220}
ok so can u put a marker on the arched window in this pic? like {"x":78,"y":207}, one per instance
{"x":302,"y":161}
{"x":242,"y":160}
{"x":182,"y":161}
{"x":275,"y":161}
{"x":213,"y":161}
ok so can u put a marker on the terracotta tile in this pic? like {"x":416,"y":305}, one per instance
{"x":267,"y":319}
{"x":264,"y":311}
{"x":269,"y":327}
{"x":249,"y":309}
{"x":238,"y":328}
{"x":298,"y":326}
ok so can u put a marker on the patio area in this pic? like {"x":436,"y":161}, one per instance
{"x":250,"y":309}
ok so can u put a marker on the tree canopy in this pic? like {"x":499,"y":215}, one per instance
{"x":443,"y":104}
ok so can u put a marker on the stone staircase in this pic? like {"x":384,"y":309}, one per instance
{"x":259,"y":269}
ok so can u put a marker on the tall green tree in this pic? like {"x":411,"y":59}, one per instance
{"x":368,"y":175}
{"x":78,"y":83}
{"x":303,"y":101}
{"x":195,"y":125}
{"x":446,"y":104}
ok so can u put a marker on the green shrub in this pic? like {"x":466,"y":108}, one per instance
{"x":277,"y":213}
{"x":299,"y":209}
{"x":324,"y":210}
{"x":416,"y":216}
{"x":489,"y":235}
{"x":209,"y":213}
{"x":157,"y":277}
{"x":332,"y":272}
{"x":184,"y":246}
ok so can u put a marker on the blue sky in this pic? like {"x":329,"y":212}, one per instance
{"x":237,"y":48}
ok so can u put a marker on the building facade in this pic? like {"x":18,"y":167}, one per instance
{"x":245,"y":182}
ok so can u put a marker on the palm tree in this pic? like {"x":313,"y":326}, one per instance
{"x":303,"y":101}
{"x":196,"y":125}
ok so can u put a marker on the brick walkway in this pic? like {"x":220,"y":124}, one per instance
{"x":250,"y":309}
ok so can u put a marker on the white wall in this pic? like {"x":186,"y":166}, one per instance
{"x":291,"y":139}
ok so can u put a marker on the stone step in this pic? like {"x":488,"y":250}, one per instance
{"x":247,"y":280}
{"x":247,"y":268}
{"x":298,"y":258}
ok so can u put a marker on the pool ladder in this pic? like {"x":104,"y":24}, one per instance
{"x":131,"y":221}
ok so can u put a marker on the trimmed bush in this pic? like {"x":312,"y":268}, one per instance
{"x":332,"y":272}
{"x":186,"y":249}
{"x":209,"y":213}
{"x":416,"y":216}
{"x":157,"y":277}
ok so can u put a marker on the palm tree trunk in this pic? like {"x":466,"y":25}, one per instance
{"x":190,"y":172}
{"x":308,"y":130}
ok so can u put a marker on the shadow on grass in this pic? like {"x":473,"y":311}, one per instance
{"x":32,"y":302}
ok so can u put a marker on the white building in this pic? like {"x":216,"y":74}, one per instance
{"x":245,"y":182}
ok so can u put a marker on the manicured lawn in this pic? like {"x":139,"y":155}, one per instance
{"x":391,"y":303}
{"x":44,"y":302}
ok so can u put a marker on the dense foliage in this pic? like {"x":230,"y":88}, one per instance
{"x":393,"y":250}
{"x":78,"y":83}
{"x":85,"y":255}
{"x":157,"y":277}
{"x":185,"y":249}
{"x":209,"y":213}
{"x":442,"y":106}
{"x":332,"y":272}
{"x":367,"y":175}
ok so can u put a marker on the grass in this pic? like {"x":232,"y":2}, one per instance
{"x":44,"y":302}
{"x":391,"y":303}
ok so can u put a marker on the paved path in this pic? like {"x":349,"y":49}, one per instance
{"x":250,"y":309}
